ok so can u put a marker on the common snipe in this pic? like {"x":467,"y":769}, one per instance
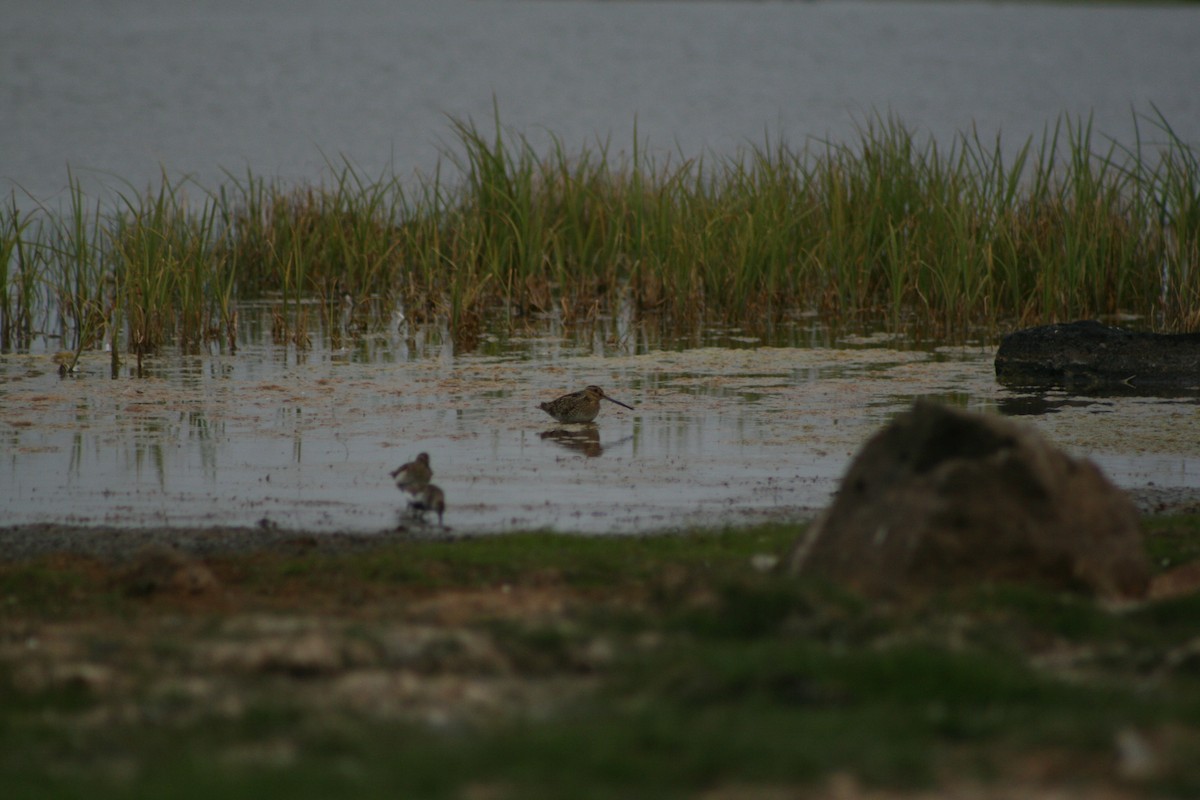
{"x":582,"y":406}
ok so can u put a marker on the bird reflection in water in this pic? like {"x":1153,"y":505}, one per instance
{"x":583,"y":438}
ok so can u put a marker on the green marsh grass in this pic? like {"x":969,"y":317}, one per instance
{"x":83,"y":290}
{"x":721,"y":679}
{"x":172,"y":279}
{"x":19,"y":278}
{"x":889,"y":229}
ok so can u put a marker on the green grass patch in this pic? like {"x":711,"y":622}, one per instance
{"x":702,"y":672}
{"x":51,"y":589}
{"x":948,"y":240}
{"x":1173,"y":541}
{"x":578,"y":561}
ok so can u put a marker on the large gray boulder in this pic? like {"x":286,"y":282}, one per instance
{"x":943,"y":497}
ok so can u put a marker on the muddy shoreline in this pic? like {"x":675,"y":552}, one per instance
{"x":111,"y":543}
{"x":212,"y":656}
{"x":117,"y":543}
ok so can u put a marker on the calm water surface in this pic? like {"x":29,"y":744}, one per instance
{"x":120,"y":90}
{"x":305,"y":440}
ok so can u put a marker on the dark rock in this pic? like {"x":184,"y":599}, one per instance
{"x":943,"y":498}
{"x":1091,"y":356}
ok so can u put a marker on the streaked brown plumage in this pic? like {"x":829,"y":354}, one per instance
{"x":580,"y":406}
{"x":428,"y":498}
{"x":413,"y":476}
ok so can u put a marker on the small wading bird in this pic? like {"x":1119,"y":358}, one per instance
{"x":413,"y":476}
{"x":579,"y":406}
{"x":428,"y":498}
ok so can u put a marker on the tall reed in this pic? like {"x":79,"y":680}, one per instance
{"x":75,"y":254}
{"x":1166,"y":197}
{"x":885,"y":228}
{"x":20,"y":277}
{"x":169,"y":271}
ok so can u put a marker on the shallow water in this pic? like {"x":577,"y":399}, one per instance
{"x":305,"y":440}
{"x":119,"y":92}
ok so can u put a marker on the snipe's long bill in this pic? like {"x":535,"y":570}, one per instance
{"x":582,"y":406}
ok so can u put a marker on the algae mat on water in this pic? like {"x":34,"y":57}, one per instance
{"x":305,"y":441}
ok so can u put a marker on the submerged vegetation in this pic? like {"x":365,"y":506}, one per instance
{"x":887,"y":230}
